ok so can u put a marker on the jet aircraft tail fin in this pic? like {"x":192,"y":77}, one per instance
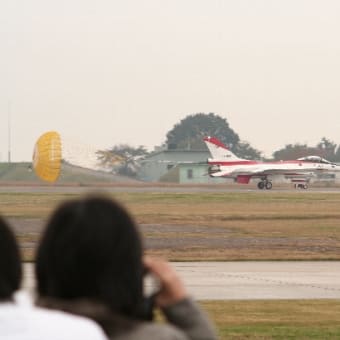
{"x":219,"y":151}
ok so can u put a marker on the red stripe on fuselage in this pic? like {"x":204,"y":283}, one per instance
{"x":245,"y":162}
{"x":234,"y":163}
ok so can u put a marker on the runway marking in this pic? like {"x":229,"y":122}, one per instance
{"x":251,"y":280}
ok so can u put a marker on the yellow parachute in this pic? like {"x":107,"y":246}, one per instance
{"x":47,"y":156}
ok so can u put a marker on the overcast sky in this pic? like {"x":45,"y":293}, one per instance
{"x":109,"y":72}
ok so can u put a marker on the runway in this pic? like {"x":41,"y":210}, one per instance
{"x":114,"y":188}
{"x":252,"y":280}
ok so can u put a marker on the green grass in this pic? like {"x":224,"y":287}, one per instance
{"x":276,"y":319}
{"x":21,"y":172}
{"x":16,"y":172}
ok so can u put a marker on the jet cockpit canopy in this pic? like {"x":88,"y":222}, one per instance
{"x":314,"y":159}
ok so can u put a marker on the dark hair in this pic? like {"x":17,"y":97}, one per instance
{"x":10,"y":262}
{"x":92,"y":249}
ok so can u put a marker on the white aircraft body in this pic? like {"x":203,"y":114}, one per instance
{"x":226,"y":164}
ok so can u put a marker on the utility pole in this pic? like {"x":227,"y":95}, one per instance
{"x":9,"y":132}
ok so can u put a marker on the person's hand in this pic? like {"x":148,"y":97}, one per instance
{"x":172,"y":289}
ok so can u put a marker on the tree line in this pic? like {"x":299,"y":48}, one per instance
{"x":188,"y":135}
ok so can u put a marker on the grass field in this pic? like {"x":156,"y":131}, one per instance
{"x":224,"y":226}
{"x":210,"y":226}
{"x":298,"y":319}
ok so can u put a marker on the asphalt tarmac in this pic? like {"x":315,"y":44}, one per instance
{"x":157,"y":188}
{"x":251,"y":280}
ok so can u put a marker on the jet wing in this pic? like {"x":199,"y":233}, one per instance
{"x":263,"y":170}
{"x":221,"y":174}
{"x":237,"y":172}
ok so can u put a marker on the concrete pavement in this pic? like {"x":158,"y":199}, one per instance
{"x":251,"y":279}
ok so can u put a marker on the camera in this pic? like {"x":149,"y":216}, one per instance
{"x":151,"y":288}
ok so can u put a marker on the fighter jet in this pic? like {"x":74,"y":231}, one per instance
{"x":225,"y":163}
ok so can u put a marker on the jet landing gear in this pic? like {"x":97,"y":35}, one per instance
{"x":301,"y":186}
{"x":265,"y":184}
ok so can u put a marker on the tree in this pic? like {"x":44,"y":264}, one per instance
{"x":337,"y":155}
{"x":325,"y":148}
{"x":189,"y":132}
{"x":292,"y":151}
{"x":122,"y":159}
{"x":245,"y":150}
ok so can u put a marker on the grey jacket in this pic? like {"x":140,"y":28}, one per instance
{"x":186,"y":321}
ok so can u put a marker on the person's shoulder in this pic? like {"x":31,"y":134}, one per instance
{"x":153,"y":330}
{"x":22,"y":320}
{"x":62,"y":325}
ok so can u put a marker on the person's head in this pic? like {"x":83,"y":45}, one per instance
{"x":91,"y":249}
{"x":10,"y":262}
